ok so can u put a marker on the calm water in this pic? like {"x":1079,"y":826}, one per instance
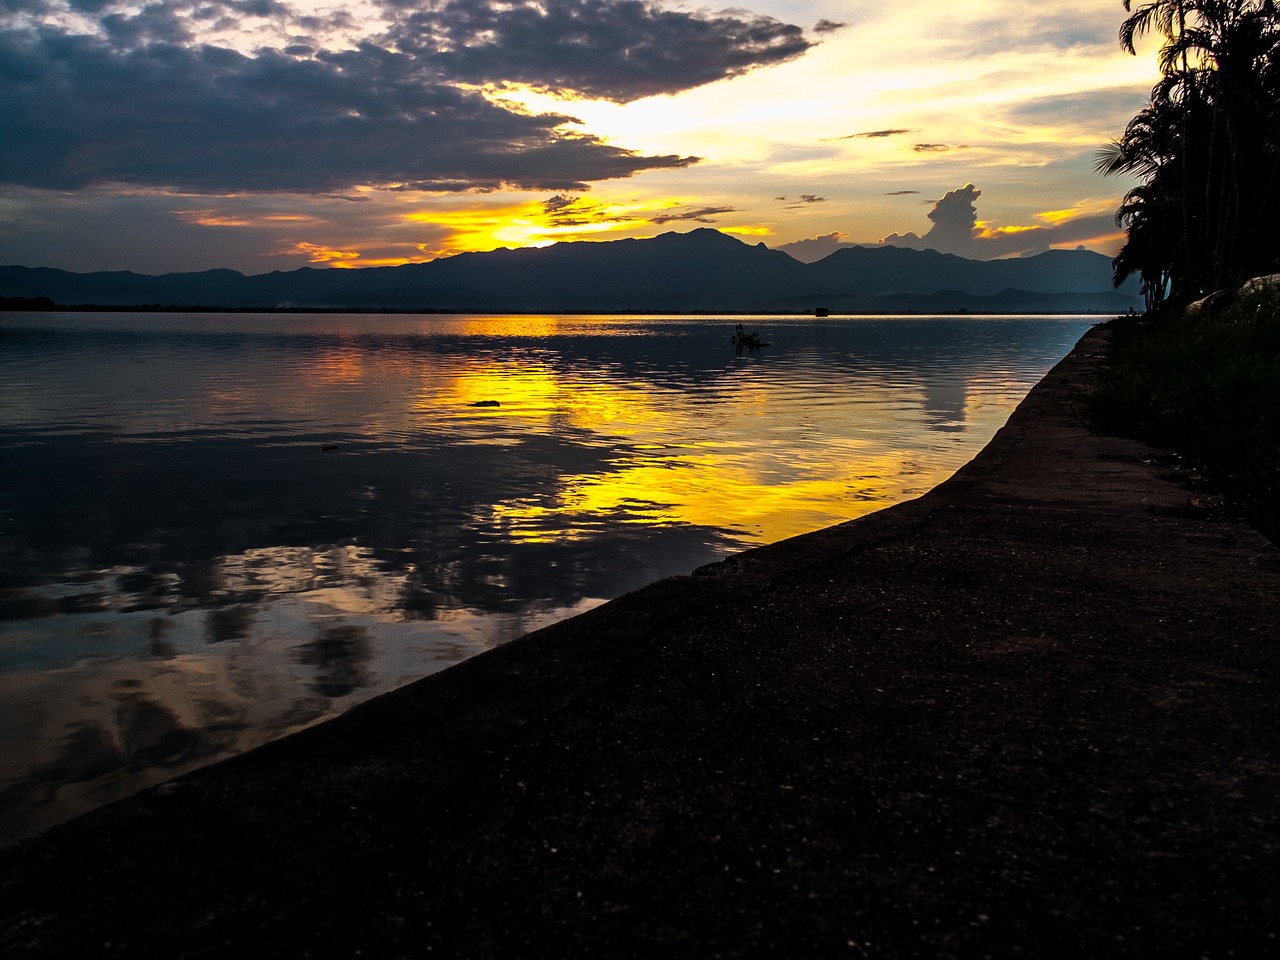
{"x":216,"y":529}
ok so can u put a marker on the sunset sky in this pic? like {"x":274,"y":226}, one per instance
{"x":272,"y":134}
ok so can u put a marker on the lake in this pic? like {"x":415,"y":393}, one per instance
{"x":216,"y":529}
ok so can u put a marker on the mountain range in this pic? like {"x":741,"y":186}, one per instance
{"x":699,"y":271}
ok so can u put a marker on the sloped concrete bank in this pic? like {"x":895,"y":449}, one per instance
{"x":1033,"y":713}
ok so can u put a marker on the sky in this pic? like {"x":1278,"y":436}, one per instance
{"x":264,"y":135}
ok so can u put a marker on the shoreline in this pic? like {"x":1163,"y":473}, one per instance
{"x":627,"y":312}
{"x":1030,"y":711}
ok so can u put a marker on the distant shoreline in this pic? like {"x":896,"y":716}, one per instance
{"x":698,"y":273}
{"x":7,"y":306}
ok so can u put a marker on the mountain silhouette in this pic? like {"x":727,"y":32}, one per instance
{"x":699,"y":271}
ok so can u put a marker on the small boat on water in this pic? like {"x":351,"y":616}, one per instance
{"x":743,"y":340}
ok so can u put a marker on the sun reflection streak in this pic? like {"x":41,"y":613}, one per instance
{"x":700,"y":490}
{"x":691,"y":463}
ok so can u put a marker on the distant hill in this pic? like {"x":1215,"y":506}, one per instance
{"x":703,"y":270}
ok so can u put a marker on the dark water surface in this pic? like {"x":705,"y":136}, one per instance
{"x":217,"y":529}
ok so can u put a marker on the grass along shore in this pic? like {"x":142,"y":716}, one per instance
{"x":1207,"y":386}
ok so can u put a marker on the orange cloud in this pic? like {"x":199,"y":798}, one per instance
{"x":987,"y":232}
{"x":211,"y":218}
{"x":317,"y":253}
{"x":1084,"y":208}
{"x":1059,"y":216}
{"x":1108,"y":243}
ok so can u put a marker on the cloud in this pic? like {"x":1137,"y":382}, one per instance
{"x":620,"y":50}
{"x":211,"y":218}
{"x":930,"y":147}
{"x":559,"y":204}
{"x":802,"y":201}
{"x":215,"y":120}
{"x":828,"y":26}
{"x":562,"y":211}
{"x":1089,"y":223}
{"x":957,"y":229}
{"x":67,"y":230}
{"x":695,"y":214}
{"x":901,"y":193}
{"x":1107,"y":109}
{"x":1043,"y":28}
{"x":568,"y":211}
{"x":954,"y":218}
{"x":318,"y":253}
{"x":809,"y":251}
{"x":870,"y":135}
{"x":112,"y":93}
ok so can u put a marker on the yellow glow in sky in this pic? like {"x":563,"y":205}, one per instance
{"x":527,"y":224}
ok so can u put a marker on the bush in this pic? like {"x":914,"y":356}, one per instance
{"x":1208,"y":387}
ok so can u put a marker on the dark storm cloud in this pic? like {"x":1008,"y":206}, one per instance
{"x":256,"y":8}
{"x":177,"y":21}
{"x":203,"y":118}
{"x":618,"y":50}
{"x":143,"y":102}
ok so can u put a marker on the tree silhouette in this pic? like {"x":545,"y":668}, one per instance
{"x":1205,"y":147}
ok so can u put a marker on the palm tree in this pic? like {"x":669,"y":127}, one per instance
{"x":1205,"y":147}
{"x":1151,"y":245}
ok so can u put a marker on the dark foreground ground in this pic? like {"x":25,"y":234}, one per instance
{"x":1034,"y":713}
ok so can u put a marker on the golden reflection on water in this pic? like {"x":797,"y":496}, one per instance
{"x":345,"y":364}
{"x":710,"y":463}
{"x":529,"y":389}
{"x":531,"y":325}
{"x":706,"y":491}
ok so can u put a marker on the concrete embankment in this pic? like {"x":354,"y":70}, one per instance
{"x":1033,"y":713}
